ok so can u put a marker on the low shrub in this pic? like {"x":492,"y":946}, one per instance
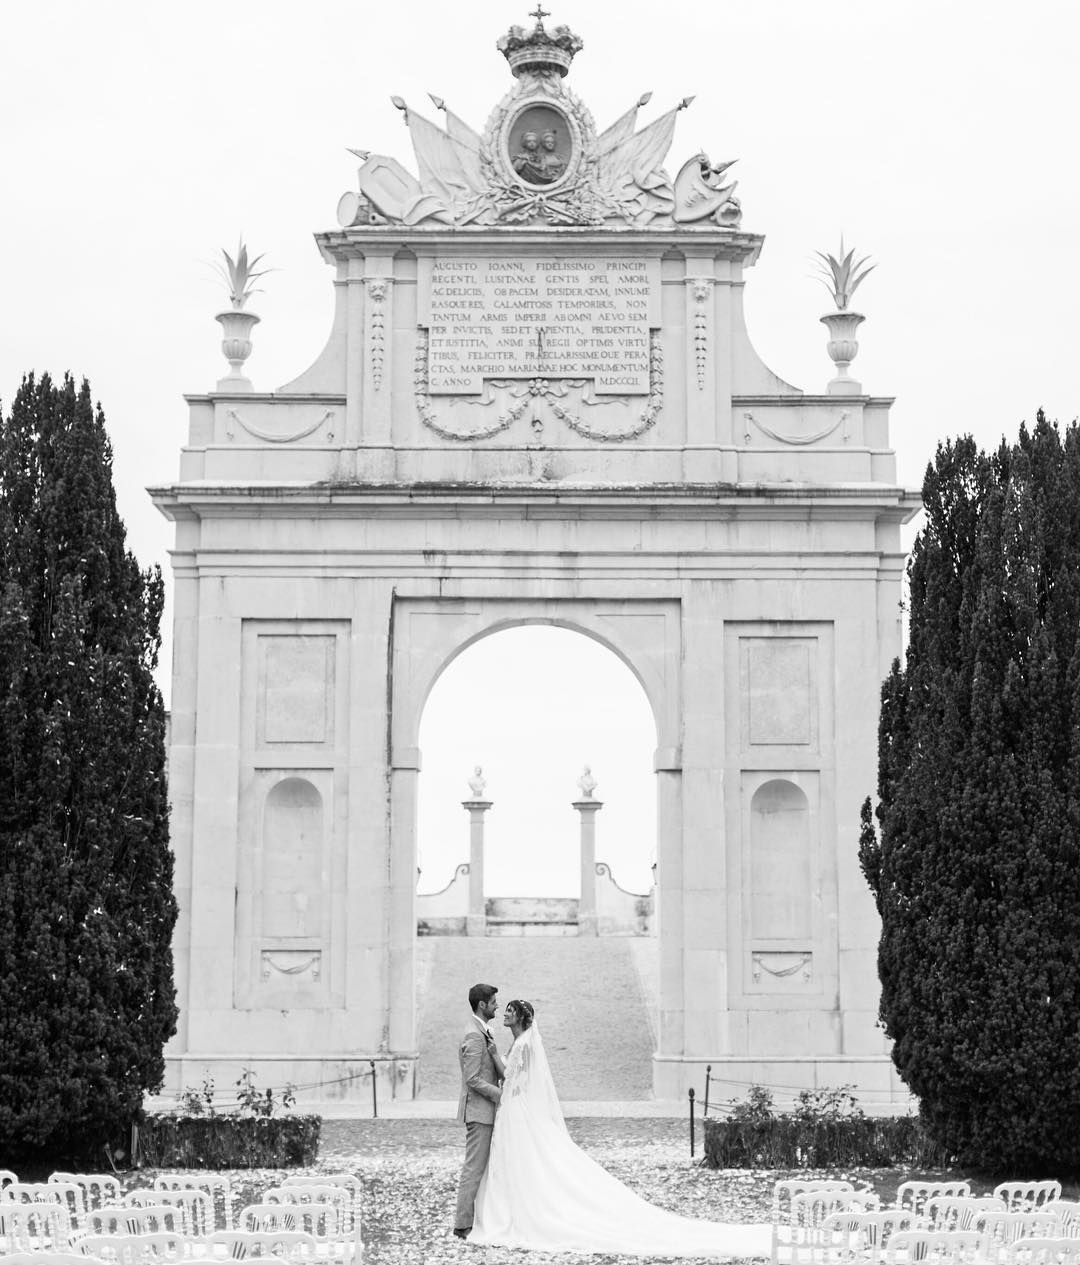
{"x":825,"y":1129}
{"x":243,"y":1133}
{"x":175,"y":1140}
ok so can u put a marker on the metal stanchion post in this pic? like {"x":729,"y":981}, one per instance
{"x":691,"y":1092}
{"x":708,"y":1074}
{"x":374,"y":1092}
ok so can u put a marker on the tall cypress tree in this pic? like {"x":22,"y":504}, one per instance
{"x":976,"y":871}
{"x":86,"y":902}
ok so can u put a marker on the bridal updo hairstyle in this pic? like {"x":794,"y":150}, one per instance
{"x":524,"y":1012}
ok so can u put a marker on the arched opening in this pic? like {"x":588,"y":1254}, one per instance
{"x":532,"y":705}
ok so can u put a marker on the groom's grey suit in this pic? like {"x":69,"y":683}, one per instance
{"x":481,"y":1071}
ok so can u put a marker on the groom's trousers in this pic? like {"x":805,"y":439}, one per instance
{"x":477,"y":1150}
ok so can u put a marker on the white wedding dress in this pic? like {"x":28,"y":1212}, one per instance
{"x":541,"y":1191}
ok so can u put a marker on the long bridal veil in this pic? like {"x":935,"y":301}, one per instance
{"x":542,"y":1191}
{"x":532,"y":1081}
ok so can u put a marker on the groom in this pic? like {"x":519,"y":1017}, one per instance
{"x":481,"y":1075}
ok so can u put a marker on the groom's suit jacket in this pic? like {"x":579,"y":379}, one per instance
{"x":479,"y":1077}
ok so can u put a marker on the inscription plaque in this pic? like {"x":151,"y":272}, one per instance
{"x":540,"y":318}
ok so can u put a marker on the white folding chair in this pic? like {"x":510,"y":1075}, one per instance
{"x":73,"y":1196}
{"x":33,"y":1227}
{"x":999,"y":1229}
{"x":292,"y":1245}
{"x":935,"y":1247}
{"x":317,"y":1219}
{"x":1027,"y":1196}
{"x":343,"y":1190}
{"x":218,"y":1188}
{"x":1044,"y":1251}
{"x":349,"y":1181}
{"x":1067,"y":1212}
{"x":133,"y":1219}
{"x":99,"y":1189}
{"x":140,"y":1249}
{"x":808,"y":1213}
{"x":858,"y":1236}
{"x":194,"y":1205}
{"x":66,"y":1194}
{"x":945,"y":1213}
{"x":348,"y":1243}
{"x":783,"y":1193}
{"x":913,"y":1195}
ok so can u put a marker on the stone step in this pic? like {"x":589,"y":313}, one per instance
{"x":532,"y":909}
{"x":589,"y":999}
{"x":516,"y":927}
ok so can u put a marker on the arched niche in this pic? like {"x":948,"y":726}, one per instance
{"x":292,"y":885}
{"x":781,"y":864}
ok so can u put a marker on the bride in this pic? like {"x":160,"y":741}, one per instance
{"x":542,"y":1191}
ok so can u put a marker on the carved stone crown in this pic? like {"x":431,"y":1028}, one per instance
{"x":539,"y":51}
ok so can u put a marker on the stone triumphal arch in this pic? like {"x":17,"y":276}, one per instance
{"x":538,"y":402}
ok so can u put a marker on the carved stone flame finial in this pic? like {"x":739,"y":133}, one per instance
{"x":539,"y":51}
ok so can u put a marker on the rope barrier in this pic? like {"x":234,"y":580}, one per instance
{"x":867,"y":1096}
{"x":277,"y":1090}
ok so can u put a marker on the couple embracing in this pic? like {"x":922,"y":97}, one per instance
{"x":526,"y":1184}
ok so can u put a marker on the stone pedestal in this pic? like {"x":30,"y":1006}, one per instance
{"x":475,"y":920}
{"x":588,"y":808}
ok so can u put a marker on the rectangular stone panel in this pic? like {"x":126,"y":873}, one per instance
{"x":296,"y":688}
{"x":779,"y":704}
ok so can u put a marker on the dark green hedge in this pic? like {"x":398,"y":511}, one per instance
{"x":784,"y":1142}
{"x":174,"y":1141}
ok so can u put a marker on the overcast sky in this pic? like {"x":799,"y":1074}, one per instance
{"x":137,"y":139}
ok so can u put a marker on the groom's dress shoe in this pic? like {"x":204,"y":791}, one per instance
{"x":462,"y":1234}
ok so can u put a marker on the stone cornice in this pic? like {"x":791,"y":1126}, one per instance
{"x":601,"y":501}
{"x":266,"y":397}
{"x":802,"y":398}
{"x":357,"y":243}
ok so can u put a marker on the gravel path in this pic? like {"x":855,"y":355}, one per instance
{"x":410,"y":1171}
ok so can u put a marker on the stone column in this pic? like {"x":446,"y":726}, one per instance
{"x":588,"y":808}
{"x":475,"y":921}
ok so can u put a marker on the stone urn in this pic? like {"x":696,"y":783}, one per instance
{"x":843,"y":347}
{"x":236,"y":325}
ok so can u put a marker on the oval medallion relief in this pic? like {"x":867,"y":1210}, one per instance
{"x":541,"y":146}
